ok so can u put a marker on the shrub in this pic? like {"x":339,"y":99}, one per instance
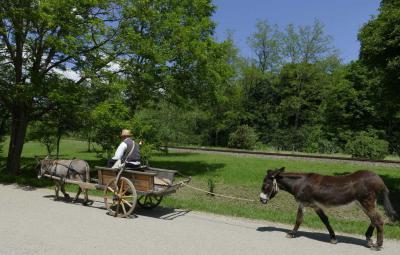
{"x":288,"y":140}
{"x":367,"y":145}
{"x":315,"y":141}
{"x":244,"y":138}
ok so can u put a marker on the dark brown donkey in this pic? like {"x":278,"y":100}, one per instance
{"x":318,"y":191}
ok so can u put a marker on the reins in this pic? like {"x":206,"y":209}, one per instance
{"x":55,"y":164}
{"x":213,"y":193}
{"x":275,"y":187}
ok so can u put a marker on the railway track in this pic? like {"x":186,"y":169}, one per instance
{"x":393,"y":163}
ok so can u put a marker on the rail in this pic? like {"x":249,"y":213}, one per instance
{"x":262,"y":153}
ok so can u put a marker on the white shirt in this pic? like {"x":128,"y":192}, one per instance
{"x":120,"y":151}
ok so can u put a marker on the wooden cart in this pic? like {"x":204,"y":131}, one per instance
{"x":125,"y":188}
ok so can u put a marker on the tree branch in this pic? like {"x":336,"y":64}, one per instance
{"x":6,"y":41}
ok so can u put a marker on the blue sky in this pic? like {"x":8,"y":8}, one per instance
{"x":342,"y":19}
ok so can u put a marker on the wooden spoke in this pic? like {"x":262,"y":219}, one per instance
{"x":149,"y":201}
{"x":124,"y":192}
{"x":123,"y":208}
{"x":126,"y":202}
{"x":115,"y":199}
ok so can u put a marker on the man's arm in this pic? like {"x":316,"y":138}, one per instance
{"x":120,"y":151}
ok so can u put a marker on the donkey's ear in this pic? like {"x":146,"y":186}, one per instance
{"x":269,"y":172}
{"x":277,"y":172}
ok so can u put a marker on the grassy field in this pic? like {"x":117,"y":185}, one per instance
{"x":236,"y":176}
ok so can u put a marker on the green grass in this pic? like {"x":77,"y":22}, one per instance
{"x":236,"y":176}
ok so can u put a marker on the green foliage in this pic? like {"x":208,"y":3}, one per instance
{"x":315,"y":140}
{"x":380,"y":41}
{"x":307,"y":44}
{"x":167,"y":124}
{"x":43,"y":132}
{"x":380,"y":53}
{"x":40,"y":40}
{"x":146,"y":152}
{"x":367,"y":145}
{"x":169,"y":51}
{"x":243,"y":138}
{"x":266,"y":44}
{"x":109,"y":118}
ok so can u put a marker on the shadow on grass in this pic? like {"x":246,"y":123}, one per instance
{"x":322,"y":237}
{"x":175,"y":154}
{"x":192,"y":168}
{"x":27,"y":176}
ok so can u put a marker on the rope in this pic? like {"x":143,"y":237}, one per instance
{"x":218,"y":195}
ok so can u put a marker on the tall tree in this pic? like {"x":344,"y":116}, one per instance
{"x":266,"y":44}
{"x":4,"y":119}
{"x":380,"y":52}
{"x":169,"y":51}
{"x":308,"y":44}
{"x":38,"y":38}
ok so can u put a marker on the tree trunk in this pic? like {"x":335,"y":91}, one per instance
{"x":58,"y":142}
{"x":88,"y":149}
{"x":19,"y":124}
{"x":296,"y":120}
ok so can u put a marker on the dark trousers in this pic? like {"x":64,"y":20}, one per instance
{"x":132,"y":166}
{"x":111,"y":162}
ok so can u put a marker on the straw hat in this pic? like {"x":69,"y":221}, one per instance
{"x":126,"y":133}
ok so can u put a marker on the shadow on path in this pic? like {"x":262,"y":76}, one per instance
{"x":162,"y":213}
{"x":317,"y":236}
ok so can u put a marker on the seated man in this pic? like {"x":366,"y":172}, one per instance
{"x":128,"y":151}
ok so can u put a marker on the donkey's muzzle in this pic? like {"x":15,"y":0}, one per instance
{"x":263,"y":198}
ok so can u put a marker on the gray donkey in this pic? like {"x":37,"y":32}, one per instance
{"x":75,"y":169}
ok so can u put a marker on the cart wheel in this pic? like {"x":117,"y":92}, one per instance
{"x":120,"y":199}
{"x":149,"y":201}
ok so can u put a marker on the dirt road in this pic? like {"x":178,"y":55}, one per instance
{"x":32,"y":223}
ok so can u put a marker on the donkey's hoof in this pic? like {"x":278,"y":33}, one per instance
{"x":87,"y":202}
{"x":370,"y":243}
{"x":290,"y":235}
{"x":376,"y":247}
{"x":334,"y":241}
{"x":66,"y":196}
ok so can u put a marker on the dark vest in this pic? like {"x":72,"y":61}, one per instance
{"x":134,"y":155}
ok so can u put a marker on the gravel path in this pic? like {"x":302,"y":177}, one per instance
{"x":32,"y":223}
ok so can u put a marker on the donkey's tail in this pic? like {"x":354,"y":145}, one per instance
{"x":390,"y":212}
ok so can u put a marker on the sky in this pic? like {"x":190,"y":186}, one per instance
{"x":342,"y":19}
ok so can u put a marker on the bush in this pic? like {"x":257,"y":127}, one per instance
{"x":244,"y":138}
{"x":288,"y":140}
{"x":315,"y":141}
{"x":367,"y":145}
